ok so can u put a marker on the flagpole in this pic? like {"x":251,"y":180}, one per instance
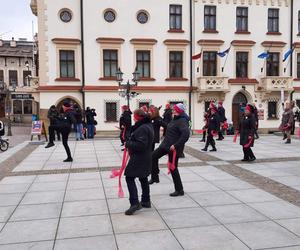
{"x":226,"y":58}
{"x":201,"y":52}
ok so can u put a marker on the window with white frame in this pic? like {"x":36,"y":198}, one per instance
{"x":111,"y":111}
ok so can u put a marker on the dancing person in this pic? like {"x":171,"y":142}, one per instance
{"x":206,"y":117}
{"x":139,"y":147}
{"x":177,"y":134}
{"x":53,"y":116}
{"x":255,"y":114}
{"x":287,"y":123}
{"x":157,"y":123}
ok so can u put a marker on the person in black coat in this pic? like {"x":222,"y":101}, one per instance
{"x":63,"y":126}
{"x":53,"y":116}
{"x":213,"y":127}
{"x":247,"y":130}
{"x":167,"y":116}
{"x":157,"y":123}
{"x":90,"y":122}
{"x":177,"y":135}
{"x":139,"y":147}
{"x":125,"y":124}
{"x":78,"y":125}
{"x":222,"y":118}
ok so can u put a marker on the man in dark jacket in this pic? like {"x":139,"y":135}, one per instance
{"x":213,"y":127}
{"x":167,"y":116}
{"x":222,"y":119}
{"x":125,"y":124}
{"x":139,"y":166}
{"x":53,"y":116}
{"x":177,"y":135}
{"x":90,"y":121}
{"x":63,"y":126}
{"x":78,"y":125}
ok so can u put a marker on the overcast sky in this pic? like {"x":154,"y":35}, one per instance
{"x":16,"y":19}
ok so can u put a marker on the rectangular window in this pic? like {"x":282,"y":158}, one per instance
{"x":27,"y":106}
{"x":175,"y":17}
{"x":242,"y":64}
{"x":241,"y":19}
{"x":272,"y":110}
{"x":210,"y":22}
{"x":110,"y":62}
{"x":13,"y":77}
{"x":176,"y":64}
{"x":273,"y":20}
{"x":67,"y":63}
{"x":26,"y":73}
{"x":111,"y":111}
{"x":273,"y":64}
{"x":298,"y":65}
{"x":143,"y":62}
{"x":17,"y":107}
{"x":1,"y":76}
{"x":209,"y":63}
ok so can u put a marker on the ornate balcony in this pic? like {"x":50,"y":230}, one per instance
{"x":213,"y":84}
{"x":275,"y":83}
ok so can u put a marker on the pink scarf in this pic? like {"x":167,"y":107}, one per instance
{"x":171,"y":165}
{"x":235,"y":137}
{"x":249,"y":143}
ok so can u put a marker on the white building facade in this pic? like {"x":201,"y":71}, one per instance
{"x":83,"y":43}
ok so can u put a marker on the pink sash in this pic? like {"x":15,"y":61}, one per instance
{"x":235,"y":137}
{"x":171,"y":165}
{"x":123,"y":134}
{"x":298,"y":132}
{"x":115,"y":173}
{"x":249,"y":143}
{"x":199,"y":131}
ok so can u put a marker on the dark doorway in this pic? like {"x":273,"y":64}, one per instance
{"x":70,"y":100}
{"x":238,"y":104}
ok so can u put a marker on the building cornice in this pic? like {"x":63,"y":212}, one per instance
{"x":272,"y":44}
{"x":296,"y":45}
{"x":66,"y":41}
{"x":143,"y":41}
{"x":110,"y":40}
{"x":213,"y":42}
{"x":246,"y":43}
{"x":182,"y":42}
{"x":58,"y":88}
{"x":278,"y":3}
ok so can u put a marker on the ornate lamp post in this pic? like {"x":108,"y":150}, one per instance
{"x":7,"y":91}
{"x":126,"y":87}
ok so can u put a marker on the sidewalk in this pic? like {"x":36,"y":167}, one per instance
{"x":53,"y":205}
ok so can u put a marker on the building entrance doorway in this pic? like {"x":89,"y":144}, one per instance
{"x":70,"y":100}
{"x":239,"y":103}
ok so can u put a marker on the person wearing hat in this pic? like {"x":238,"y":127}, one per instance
{"x":167,"y":116}
{"x":222,"y":118}
{"x":177,"y":134}
{"x":213,"y":127}
{"x":246,"y":131}
{"x":139,"y":147}
{"x":125,"y":124}
{"x":63,"y":126}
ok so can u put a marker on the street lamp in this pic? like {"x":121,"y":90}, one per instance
{"x":126,"y":87}
{"x":7,"y":91}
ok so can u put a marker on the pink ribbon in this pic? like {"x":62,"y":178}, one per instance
{"x":115,"y":172}
{"x":171,"y":165}
{"x":249,"y":143}
{"x":214,"y":133}
{"x":298,"y":133}
{"x":123,"y":134}
{"x":235,"y":137}
{"x":199,"y":131}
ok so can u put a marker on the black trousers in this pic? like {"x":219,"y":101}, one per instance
{"x":210,"y":141}
{"x":64,"y":131}
{"x":157,"y":154}
{"x":204,"y":135}
{"x":220,"y":134}
{"x":248,"y":153}
{"x":133,"y":192}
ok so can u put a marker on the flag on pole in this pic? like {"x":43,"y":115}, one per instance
{"x":224,"y":53}
{"x":288,"y":53}
{"x":264,"y":55}
{"x":196,"y":57}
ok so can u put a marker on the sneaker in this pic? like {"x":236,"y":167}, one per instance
{"x":133,"y":209}
{"x":219,"y":139}
{"x":177,"y":193}
{"x":49,"y":145}
{"x":68,"y":160}
{"x":146,"y":204}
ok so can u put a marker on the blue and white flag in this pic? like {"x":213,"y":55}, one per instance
{"x":224,"y":53}
{"x":264,"y":55}
{"x":288,"y":53}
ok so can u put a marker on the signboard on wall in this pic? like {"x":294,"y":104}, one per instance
{"x":21,"y":96}
{"x":261,"y":114}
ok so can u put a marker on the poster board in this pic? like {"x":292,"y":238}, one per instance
{"x":38,"y":128}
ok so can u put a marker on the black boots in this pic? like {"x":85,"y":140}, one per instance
{"x":69,"y":159}
{"x":204,"y":149}
{"x":177,"y":193}
{"x":213,"y":149}
{"x":50,"y":144}
{"x":288,"y":141}
{"x":146,"y":204}
{"x":153,"y":180}
{"x":133,"y":209}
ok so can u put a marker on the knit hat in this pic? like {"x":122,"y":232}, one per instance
{"x":179,"y":108}
{"x":249,"y":108}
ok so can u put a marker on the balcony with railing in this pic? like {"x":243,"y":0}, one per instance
{"x":213,"y":84}
{"x":275,"y":83}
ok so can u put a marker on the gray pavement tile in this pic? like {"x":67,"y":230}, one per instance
{"x":43,"y":197}
{"x":154,"y":240}
{"x":214,"y":198}
{"x":106,"y":242}
{"x":10,"y":199}
{"x":84,"y":226}
{"x":288,"y":180}
{"x":200,"y":186}
{"x":190,"y":177}
{"x":167,"y":202}
{"x":14,"y":188}
{"x":143,"y":220}
{"x":277,"y":209}
{"x":187,"y":217}
{"x":217,"y":176}
{"x":228,"y":185}
{"x":266,"y":234}
{"x":42,"y":245}
{"x":112,"y":192}
{"x":84,"y":176}
{"x":291,"y":224}
{"x":17,"y":179}
{"x":84,"y":194}
{"x":85,"y":165}
{"x":217,"y":163}
{"x":51,"y":178}
{"x":27,"y":231}
{"x":36,"y":212}
{"x":236,"y":213}
{"x":5,"y":213}
{"x":84,"y":184}
{"x":81,"y":208}
{"x":253,"y":195}
{"x":47,"y":186}
{"x":211,"y":237}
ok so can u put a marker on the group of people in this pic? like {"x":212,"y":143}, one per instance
{"x":61,"y":122}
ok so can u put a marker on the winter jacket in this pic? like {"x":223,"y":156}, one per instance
{"x":213,"y":123}
{"x":221,"y":113}
{"x":78,"y":116}
{"x":167,"y":116}
{"x":177,"y":134}
{"x":66,"y":119}
{"x":157,"y":122}
{"x":125,"y":119}
{"x":287,"y":120}
{"x":90,"y":116}
{"x":53,"y":116}
{"x":139,"y":146}
{"x":247,"y":129}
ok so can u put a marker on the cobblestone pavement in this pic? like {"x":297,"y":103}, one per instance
{"x":47,"y":204}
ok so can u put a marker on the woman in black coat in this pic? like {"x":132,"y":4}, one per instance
{"x":247,"y":130}
{"x":157,"y":123}
{"x":139,"y":147}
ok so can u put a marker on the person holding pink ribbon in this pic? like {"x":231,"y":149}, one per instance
{"x":139,"y":147}
{"x":177,"y":134}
